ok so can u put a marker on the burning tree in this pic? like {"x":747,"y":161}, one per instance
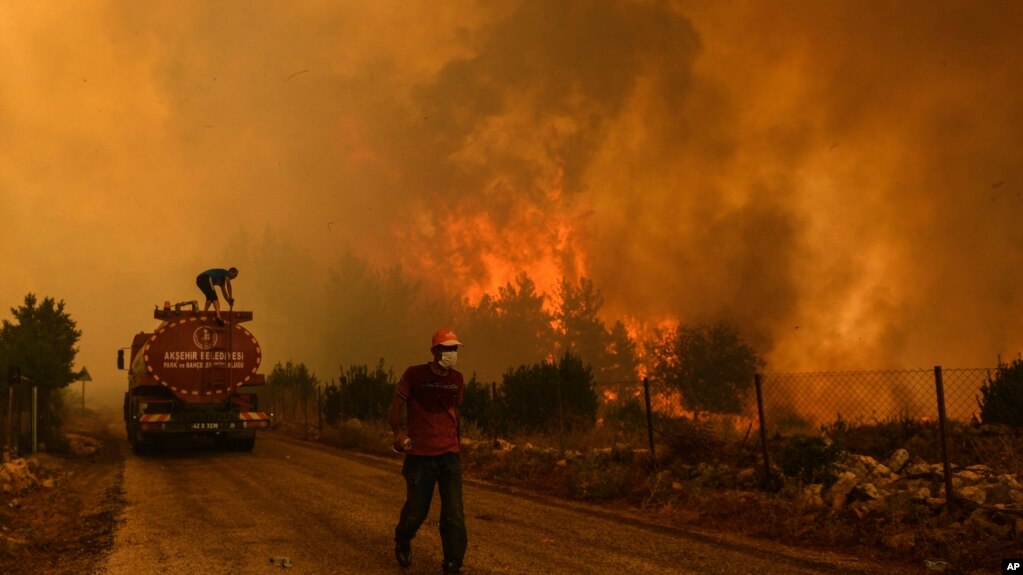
{"x":612,"y":354}
{"x":510,"y":328}
{"x":620,"y":362}
{"x":582,"y":330}
{"x":709,"y":364}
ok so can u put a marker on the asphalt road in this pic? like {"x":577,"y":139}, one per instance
{"x":195,"y":510}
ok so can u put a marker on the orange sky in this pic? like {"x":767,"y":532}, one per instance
{"x":842,"y":179}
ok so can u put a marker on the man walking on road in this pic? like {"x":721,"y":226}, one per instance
{"x":431,"y":394}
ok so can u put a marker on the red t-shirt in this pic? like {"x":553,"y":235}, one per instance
{"x":433,"y":402}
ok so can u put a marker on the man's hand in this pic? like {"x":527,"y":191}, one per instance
{"x":401,"y":443}
{"x":230,"y":301}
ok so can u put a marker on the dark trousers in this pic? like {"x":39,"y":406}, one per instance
{"x":421,"y":473}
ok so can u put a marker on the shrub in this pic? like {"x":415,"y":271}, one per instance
{"x":332,"y":403}
{"x":692,"y":441}
{"x":881,"y":438}
{"x":531,"y":395}
{"x":366,"y":394}
{"x":598,"y":479}
{"x":811,"y":459}
{"x":367,"y":437}
{"x":1001,"y":400}
{"x":534,"y":468}
{"x":476,"y":406}
{"x":626,"y":414}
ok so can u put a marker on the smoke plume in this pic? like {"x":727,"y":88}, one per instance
{"x":842,"y":180}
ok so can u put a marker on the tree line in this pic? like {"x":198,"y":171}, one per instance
{"x":362,"y":312}
{"x":562,"y":355}
{"x":710,"y":365}
{"x":568,"y":350}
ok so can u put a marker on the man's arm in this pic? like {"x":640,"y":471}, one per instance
{"x":226,"y":288}
{"x":397,"y":422}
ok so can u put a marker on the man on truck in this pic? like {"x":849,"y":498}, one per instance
{"x":216,"y":277}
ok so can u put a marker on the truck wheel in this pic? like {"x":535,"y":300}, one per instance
{"x":244,"y":443}
{"x":146,"y":446}
{"x":140,"y":447}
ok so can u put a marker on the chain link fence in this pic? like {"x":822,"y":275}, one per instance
{"x":649,"y":414}
{"x":793,"y":402}
{"x":802,"y":402}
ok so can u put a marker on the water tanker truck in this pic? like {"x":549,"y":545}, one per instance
{"x":192,"y":377}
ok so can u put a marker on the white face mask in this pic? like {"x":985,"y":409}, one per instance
{"x":448,"y":359}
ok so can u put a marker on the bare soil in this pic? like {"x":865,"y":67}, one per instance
{"x":68,"y":528}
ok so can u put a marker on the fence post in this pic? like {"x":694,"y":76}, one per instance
{"x":493,"y":410}
{"x":319,"y":410}
{"x":13,"y":378}
{"x":35,"y":419}
{"x":561,"y":421}
{"x":10,"y":418}
{"x":942,"y":425}
{"x":649,"y":421}
{"x":763,"y":427}
{"x":10,"y":421}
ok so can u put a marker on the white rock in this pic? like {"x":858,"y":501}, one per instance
{"x":973,"y":493}
{"x":869,"y":491}
{"x":1010,"y":480}
{"x":967,"y":475}
{"x":898,"y":460}
{"x":811,"y":495}
{"x":917,"y":470}
{"x":839,"y":492}
{"x":747,"y":475}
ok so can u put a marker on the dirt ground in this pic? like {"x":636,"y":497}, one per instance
{"x":69,"y":529}
{"x":66,"y":529}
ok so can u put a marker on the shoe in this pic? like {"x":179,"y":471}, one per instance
{"x":220,"y":322}
{"x":403,"y":553}
{"x":451,"y":568}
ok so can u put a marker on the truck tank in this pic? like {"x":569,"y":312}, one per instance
{"x":193,"y":377}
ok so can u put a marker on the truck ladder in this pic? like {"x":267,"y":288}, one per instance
{"x":218,"y":377}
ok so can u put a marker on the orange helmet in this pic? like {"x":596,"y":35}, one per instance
{"x":445,"y":337}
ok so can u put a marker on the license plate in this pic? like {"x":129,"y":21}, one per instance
{"x":205,"y":426}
